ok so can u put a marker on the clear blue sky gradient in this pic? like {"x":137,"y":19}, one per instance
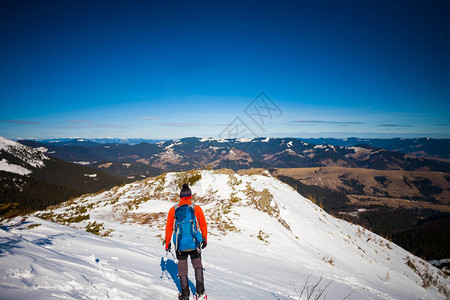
{"x":163,"y":69}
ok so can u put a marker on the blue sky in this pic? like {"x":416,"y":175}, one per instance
{"x":163,"y":69}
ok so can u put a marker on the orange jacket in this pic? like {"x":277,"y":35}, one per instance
{"x":198,"y":214}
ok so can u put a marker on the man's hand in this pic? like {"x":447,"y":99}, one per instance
{"x":203,"y":244}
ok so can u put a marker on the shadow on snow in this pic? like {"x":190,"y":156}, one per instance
{"x":169,"y":270}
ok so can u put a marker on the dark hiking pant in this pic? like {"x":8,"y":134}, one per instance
{"x":196,"y":260}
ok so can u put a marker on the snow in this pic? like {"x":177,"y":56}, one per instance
{"x":90,"y":175}
{"x":210,"y":139}
{"x":12,"y":168}
{"x":357,"y":149}
{"x":176,"y":143}
{"x":57,"y":261}
{"x":33,"y":157}
{"x":84,"y":163}
{"x":244,"y":140}
{"x":289,"y":151}
{"x":289,"y":144}
{"x":5,"y":143}
{"x":267,"y":139}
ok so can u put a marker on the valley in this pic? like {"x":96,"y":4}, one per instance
{"x":396,"y":188}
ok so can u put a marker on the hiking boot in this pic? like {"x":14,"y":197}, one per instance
{"x":199,"y":288}
{"x":184,"y":295}
{"x":199,"y":291}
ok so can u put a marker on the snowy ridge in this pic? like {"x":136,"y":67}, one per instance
{"x":264,"y":241}
{"x":32,"y":157}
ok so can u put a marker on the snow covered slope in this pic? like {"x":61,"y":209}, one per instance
{"x":20,"y":159}
{"x":266,"y":242}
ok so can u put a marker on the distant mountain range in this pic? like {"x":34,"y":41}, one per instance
{"x":191,"y":153}
{"x":71,"y":141}
{"x":425,"y":147}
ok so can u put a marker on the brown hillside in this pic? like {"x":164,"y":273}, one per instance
{"x":381,"y":186}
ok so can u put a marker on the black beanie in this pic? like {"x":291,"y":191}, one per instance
{"x":185,"y":191}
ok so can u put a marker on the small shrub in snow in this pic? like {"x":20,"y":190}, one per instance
{"x":154,"y":219}
{"x":63,"y":218}
{"x":160,"y":181}
{"x":94,"y":228}
{"x":134,"y":204}
{"x":262,"y":236}
{"x":234,"y":199}
{"x":219,"y":218}
{"x":234,"y":181}
{"x":189,"y":177}
{"x":428,"y":279}
{"x":211,"y":191}
{"x":262,"y":200}
{"x":329,"y":260}
{"x":160,"y":238}
{"x":313,"y":290}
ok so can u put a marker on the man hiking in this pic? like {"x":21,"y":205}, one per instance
{"x":184,"y":220}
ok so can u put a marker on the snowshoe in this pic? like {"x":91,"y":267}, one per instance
{"x":182,"y":297}
{"x":200,"y":297}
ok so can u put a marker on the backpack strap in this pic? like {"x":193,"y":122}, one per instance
{"x":174,"y":216}
{"x":193,"y":205}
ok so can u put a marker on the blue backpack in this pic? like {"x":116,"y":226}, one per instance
{"x":186,"y":236}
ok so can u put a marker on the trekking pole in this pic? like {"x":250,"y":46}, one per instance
{"x":164,"y":269}
{"x":174,"y":258}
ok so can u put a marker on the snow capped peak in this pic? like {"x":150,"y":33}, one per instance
{"x":244,"y":140}
{"x":6,"y":143}
{"x":211,"y":139}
